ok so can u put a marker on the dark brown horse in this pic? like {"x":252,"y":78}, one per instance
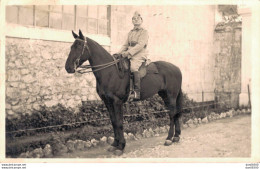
{"x":114,"y":89}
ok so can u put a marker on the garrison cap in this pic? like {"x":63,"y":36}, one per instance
{"x":137,"y":14}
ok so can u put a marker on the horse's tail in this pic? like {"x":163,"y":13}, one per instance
{"x":179,"y":102}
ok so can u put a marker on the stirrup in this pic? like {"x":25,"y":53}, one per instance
{"x":136,"y":96}
{"x":133,"y":96}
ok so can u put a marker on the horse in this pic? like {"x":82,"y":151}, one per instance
{"x":114,"y":89}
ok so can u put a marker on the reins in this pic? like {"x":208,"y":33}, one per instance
{"x":83,"y":68}
{"x":100,"y":67}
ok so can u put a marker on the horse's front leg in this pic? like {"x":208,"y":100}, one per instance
{"x":118,"y":113}
{"x":115,"y":108}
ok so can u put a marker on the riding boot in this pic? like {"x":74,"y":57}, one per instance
{"x":137,"y":85}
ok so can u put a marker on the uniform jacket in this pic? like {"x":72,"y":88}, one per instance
{"x":136,"y":43}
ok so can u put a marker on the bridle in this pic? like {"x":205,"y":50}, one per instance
{"x":85,"y":67}
{"x":76,"y":63}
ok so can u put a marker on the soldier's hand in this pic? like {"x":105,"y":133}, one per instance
{"x":125,"y":54}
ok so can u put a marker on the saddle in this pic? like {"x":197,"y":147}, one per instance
{"x":147,"y":66}
{"x":123,"y":66}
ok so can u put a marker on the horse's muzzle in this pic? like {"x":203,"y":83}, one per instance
{"x":70,"y":69}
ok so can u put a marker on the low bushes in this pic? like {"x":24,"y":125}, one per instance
{"x":92,"y":113}
{"x":90,"y":121}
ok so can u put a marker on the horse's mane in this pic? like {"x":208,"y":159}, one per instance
{"x":98,"y":48}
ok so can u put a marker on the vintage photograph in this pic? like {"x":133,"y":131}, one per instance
{"x":112,"y":81}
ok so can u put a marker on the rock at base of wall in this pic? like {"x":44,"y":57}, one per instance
{"x":24,"y":155}
{"x":87,"y":145}
{"x":125,"y":136}
{"x":47,"y":151}
{"x":70,"y":145}
{"x":195,"y":121}
{"x":61,"y":149}
{"x":190,"y":121}
{"x":151,"y":132}
{"x":199,"y":121}
{"x":157,"y":130}
{"x":110,"y":140}
{"x":223,"y":115}
{"x":205,"y":120}
{"x":103,"y":141}
{"x":94,"y":142}
{"x":138,"y":136}
{"x":229,"y":114}
{"x":37,"y":153}
{"x":131,"y":136}
{"x":79,"y":145}
{"x":184,"y":126}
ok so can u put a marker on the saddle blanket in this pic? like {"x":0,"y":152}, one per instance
{"x":148,"y":69}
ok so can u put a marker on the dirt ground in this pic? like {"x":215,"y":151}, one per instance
{"x":229,"y":137}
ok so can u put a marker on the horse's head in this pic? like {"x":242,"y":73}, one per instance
{"x":79,"y":53}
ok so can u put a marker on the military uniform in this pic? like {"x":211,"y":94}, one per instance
{"x":135,"y":49}
{"x":136,"y":44}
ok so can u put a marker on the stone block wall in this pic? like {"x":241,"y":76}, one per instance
{"x":36,"y":76}
{"x":227,"y":53}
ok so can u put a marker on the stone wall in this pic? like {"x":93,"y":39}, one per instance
{"x":227,"y":50}
{"x":36,"y":76}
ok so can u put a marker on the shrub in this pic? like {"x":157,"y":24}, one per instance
{"x":92,"y":121}
{"x":94,"y":113}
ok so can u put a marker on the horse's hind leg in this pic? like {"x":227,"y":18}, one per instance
{"x":170,"y":133}
{"x":177,"y":132}
{"x":170,"y":103}
{"x":177,"y":117}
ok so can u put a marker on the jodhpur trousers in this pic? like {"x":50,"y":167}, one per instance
{"x":136,"y":63}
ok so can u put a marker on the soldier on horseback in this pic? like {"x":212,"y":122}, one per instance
{"x":162,"y":78}
{"x":135,"y":50}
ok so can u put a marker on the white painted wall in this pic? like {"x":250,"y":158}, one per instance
{"x":182,"y":35}
{"x":245,"y":12}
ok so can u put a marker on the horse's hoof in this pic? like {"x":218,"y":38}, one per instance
{"x":176,"y":139}
{"x":168,"y":142}
{"x":118,"y":152}
{"x":111,"y":149}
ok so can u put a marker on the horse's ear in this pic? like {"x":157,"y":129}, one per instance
{"x":75,"y":35}
{"x":81,"y":35}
